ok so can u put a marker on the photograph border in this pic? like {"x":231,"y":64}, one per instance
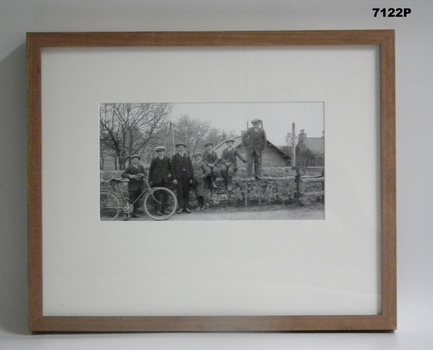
{"x":385,"y":321}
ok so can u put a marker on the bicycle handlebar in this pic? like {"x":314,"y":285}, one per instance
{"x":115,"y":181}
{"x":140,"y":177}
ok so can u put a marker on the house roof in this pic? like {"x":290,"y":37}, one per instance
{"x":222,"y":145}
{"x":238,"y":142}
{"x":315,"y":144}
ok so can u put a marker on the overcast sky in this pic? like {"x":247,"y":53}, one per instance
{"x":277,"y":117}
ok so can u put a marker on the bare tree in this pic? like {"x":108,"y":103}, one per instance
{"x":127,"y":128}
{"x":161,"y":138}
{"x":191,"y":131}
{"x":215,"y":136}
{"x":231,"y":134}
{"x":289,"y":139}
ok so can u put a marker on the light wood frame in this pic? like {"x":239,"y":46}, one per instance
{"x":386,"y":321}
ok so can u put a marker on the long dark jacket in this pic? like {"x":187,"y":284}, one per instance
{"x":254,"y":141}
{"x":159,"y":171}
{"x":181,"y":165}
{"x":210,"y":157}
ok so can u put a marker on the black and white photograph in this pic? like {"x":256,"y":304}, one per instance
{"x":212,"y":161}
{"x":213,"y":152}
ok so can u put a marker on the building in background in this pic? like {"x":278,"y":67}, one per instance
{"x":310,"y":151}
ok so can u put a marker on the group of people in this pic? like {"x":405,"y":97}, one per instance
{"x":200,"y":172}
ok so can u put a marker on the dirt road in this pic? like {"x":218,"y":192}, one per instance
{"x":313,"y":212}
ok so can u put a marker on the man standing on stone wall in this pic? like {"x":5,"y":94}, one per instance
{"x":254,"y":141}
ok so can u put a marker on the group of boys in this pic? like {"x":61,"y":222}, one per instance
{"x":202,"y":170}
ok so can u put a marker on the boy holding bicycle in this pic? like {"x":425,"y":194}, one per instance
{"x":135,"y":173}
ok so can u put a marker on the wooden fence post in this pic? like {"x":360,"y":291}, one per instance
{"x":299,"y":187}
{"x":301,"y":183}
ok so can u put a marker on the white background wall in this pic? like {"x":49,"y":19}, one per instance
{"x":414,"y":144}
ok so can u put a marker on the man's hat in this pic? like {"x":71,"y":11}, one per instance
{"x":135,"y":156}
{"x":229,"y":140}
{"x":254,"y":121}
{"x":159,"y":148}
{"x":180,"y":144}
{"x":208,"y":143}
{"x":197,"y":154}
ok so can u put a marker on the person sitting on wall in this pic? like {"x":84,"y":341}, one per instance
{"x":210,"y":158}
{"x":159,"y":176}
{"x":229,"y":165}
{"x":201,"y":171}
{"x":182,"y":173}
{"x":135,"y":173}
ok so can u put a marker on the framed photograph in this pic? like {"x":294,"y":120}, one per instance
{"x":177,"y":181}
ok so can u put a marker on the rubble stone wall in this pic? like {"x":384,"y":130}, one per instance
{"x":277,"y":186}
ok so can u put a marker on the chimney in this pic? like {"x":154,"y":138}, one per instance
{"x":302,"y":136}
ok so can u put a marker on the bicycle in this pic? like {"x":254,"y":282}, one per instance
{"x":159,"y":203}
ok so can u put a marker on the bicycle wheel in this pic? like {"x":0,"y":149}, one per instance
{"x":110,"y":206}
{"x":160,"y":203}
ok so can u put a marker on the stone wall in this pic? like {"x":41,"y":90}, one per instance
{"x":277,"y":186}
{"x":276,"y":172}
{"x":266,"y":191}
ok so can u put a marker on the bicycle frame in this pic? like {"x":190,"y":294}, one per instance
{"x":116,"y":190}
{"x":159,"y":203}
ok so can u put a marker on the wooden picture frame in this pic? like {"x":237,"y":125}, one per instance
{"x":385,"y":320}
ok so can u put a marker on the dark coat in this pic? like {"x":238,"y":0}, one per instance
{"x":230,"y":156}
{"x":159,"y":171}
{"x":134,"y":184}
{"x":254,"y":141}
{"x":181,"y":165}
{"x":210,"y":157}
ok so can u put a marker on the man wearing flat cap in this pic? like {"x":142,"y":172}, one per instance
{"x":210,"y":158}
{"x":159,"y":176}
{"x":135,"y":173}
{"x":229,"y":165}
{"x":201,"y":171}
{"x":254,"y":141}
{"x":183,"y":175}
